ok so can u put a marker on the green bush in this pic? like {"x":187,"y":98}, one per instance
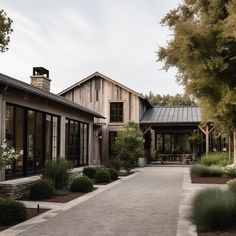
{"x":218,"y":159}
{"x":128,"y":165}
{"x":113,"y":172}
{"x":206,"y":171}
{"x":41,"y":189}
{"x":82,"y":184}
{"x":102,"y":176}
{"x":232,"y":185}
{"x":114,"y":163}
{"x":11,"y":211}
{"x":89,"y":172}
{"x":214,"y":209}
{"x":58,"y":171}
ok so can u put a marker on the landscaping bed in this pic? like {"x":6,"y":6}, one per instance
{"x":31,"y":212}
{"x":209,"y":180}
{"x":59,"y":198}
{"x":229,"y":232}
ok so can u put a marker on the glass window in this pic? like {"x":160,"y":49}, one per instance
{"x":116,"y":112}
{"x":39,"y":142}
{"x":31,"y":141}
{"x":54,"y":137}
{"x":48,"y":138}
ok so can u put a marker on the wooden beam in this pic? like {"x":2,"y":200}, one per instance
{"x":147,"y":130}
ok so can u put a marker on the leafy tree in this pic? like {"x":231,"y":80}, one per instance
{"x":129,"y":145}
{"x":203,"y":49}
{"x":168,"y":100}
{"x":5,"y":31}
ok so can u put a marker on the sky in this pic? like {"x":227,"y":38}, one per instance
{"x":75,"y":38}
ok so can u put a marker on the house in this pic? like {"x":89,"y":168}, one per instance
{"x":167,"y":130}
{"x":44,"y":125}
{"x":114,"y":101}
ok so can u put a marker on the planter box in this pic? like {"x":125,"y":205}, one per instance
{"x":142,"y":161}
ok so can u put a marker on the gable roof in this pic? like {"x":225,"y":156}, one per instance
{"x":172,"y":115}
{"x":17,"y":84}
{"x":98,"y":74}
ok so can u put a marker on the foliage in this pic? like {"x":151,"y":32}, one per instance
{"x":82,"y":184}
{"x":169,"y":100}
{"x":230,"y":170}
{"x":41,"y":189}
{"x":102,"y":176}
{"x":206,"y":171}
{"x":219,"y":159}
{"x":214,"y":208}
{"x":58,"y":171}
{"x":113,"y":172}
{"x":203,"y":49}
{"x":129,"y":144}
{"x":89,"y":172}
{"x":7,"y":155}
{"x":114,"y":163}
{"x":128,"y":165}
{"x":232,"y":185}
{"x":5,"y":31}
{"x":11,"y":211}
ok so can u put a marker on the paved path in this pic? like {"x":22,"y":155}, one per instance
{"x":145,"y":205}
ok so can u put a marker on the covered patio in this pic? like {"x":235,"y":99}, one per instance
{"x":174,"y":134}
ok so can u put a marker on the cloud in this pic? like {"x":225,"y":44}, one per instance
{"x":75,"y":38}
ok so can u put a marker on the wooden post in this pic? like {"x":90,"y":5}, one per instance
{"x":207,"y":139}
{"x":229,"y":148}
{"x":234,"y":146}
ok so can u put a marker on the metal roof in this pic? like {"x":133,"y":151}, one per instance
{"x":17,"y":84}
{"x":172,"y":115}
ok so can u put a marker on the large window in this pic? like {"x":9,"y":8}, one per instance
{"x":116,"y":112}
{"x":76,"y":140}
{"x":173,"y":143}
{"x":33,"y":132}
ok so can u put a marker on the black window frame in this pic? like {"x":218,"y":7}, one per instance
{"x":116,"y":113}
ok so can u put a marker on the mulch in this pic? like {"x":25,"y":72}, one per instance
{"x":227,"y":232}
{"x":209,"y":180}
{"x":31,"y":212}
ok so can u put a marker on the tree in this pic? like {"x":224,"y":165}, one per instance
{"x":168,"y":100}
{"x":5,"y":31}
{"x":129,"y":144}
{"x":203,"y":49}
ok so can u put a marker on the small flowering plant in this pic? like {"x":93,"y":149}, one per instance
{"x":7,"y":155}
{"x":230,"y":170}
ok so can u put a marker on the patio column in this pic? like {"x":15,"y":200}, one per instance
{"x":62,"y":137}
{"x":235,"y":146}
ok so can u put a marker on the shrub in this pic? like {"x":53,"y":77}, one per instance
{"x":82,"y":184}
{"x":89,"y":172}
{"x":206,"y":171}
{"x":128,"y":165}
{"x":57,"y":171}
{"x":219,"y":159}
{"x":114,"y":163}
{"x":232,"y":185}
{"x":11,"y":211}
{"x":102,"y":176}
{"x":41,"y":189}
{"x":230,"y":170}
{"x":114,"y":173}
{"x":213,"y":209}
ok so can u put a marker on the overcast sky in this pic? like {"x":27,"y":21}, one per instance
{"x":75,"y":38}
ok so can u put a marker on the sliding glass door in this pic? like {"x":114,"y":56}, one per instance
{"x":33,"y":133}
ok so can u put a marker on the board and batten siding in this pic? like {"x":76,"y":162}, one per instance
{"x":96,"y":94}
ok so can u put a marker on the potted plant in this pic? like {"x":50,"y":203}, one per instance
{"x":7,"y":156}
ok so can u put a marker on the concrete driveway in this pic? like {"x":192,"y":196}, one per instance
{"x":145,"y":205}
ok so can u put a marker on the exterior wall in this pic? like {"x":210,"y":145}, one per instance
{"x":85,"y":95}
{"x":23,"y":99}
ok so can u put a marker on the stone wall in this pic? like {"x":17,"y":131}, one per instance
{"x":18,"y":188}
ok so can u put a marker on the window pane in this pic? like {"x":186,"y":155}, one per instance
{"x":116,"y":112}
{"x":48,"y":138}
{"x":39,"y":142}
{"x":30,"y":141}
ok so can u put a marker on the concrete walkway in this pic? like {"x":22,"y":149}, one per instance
{"x":145,"y":205}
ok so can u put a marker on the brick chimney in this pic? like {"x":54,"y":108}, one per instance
{"x":40,"y":79}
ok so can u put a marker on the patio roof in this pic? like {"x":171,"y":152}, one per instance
{"x":172,"y":115}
